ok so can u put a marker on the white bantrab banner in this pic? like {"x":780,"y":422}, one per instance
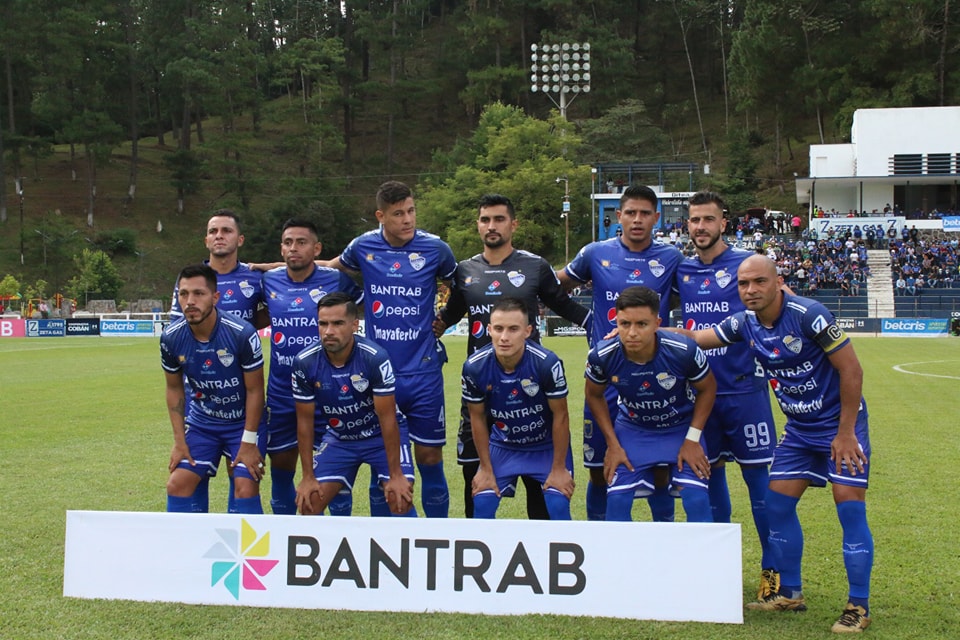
{"x":622,"y":570}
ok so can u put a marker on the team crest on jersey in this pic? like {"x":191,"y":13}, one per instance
{"x":723,"y":278}
{"x":794,"y":344}
{"x":370,"y":257}
{"x":656,"y":268}
{"x":316,"y":294}
{"x":666,"y":380}
{"x":614,"y":379}
{"x":529,"y":387}
{"x":417,"y":261}
{"x":246,"y":289}
{"x":604,"y":263}
{"x":225,"y":357}
{"x":469,"y":280}
{"x":516,"y":278}
{"x":359,"y":382}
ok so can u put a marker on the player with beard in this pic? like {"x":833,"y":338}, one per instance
{"x":499,"y":272}
{"x":741,"y":424}
{"x":344,"y":390}
{"x":218,"y":357}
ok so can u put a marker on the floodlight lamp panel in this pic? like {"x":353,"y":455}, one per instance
{"x":566,"y":46}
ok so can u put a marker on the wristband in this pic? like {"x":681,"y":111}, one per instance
{"x":693,"y":434}
{"x":250,"y":437}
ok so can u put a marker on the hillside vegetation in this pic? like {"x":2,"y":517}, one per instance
{"x":125,"y":118}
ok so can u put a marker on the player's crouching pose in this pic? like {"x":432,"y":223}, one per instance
{"x":658,"y":422}
{"x":221,"y":358}
{"x":522,"y":387}
{"x":346,"y":383}
{"x":818,"y":382}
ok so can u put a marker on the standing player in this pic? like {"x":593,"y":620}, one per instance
{"x":400,"y":265}
{"x":818,"y":382}
{"x":291,"y":294}
{"x":741,"y":424}
{"x":239,"y":289}
{"x":237,"y":283}
{"x":344,"y":390}
{"x":520,"y":388}
{"x":480,"y":282}
{"x":658,"y":421}
{"x":631,"y":259}
{"x":219,"y":358}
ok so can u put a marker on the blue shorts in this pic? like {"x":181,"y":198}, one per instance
{"x":594,"y":444}
{"x":741,"y":428}
{"x":420,"y":399}
{"x":281,"y":426}
{"x":647,"y":449}
{"x":208,"y":445}
{"x":805,"y":455}
{"x":339,"y":460}
{"x":509,"y":464}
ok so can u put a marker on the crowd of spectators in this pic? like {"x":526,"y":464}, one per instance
{"x":927,"y":262}
{"x":917,"y":214}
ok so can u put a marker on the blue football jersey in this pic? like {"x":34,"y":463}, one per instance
{"x":517,"y":402}
{"x":213,"y":370}
{"x":708,"y":294}
{"x":293,"y":319}
{"x":655,"y":394}
{"x":239,"y":293}
{"x":612,"y":268}
{"x":794,"y":354}
{"x":400,"y":291}
{"x":343,"y":396}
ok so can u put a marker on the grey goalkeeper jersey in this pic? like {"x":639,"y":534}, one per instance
{"x":478,"y":285}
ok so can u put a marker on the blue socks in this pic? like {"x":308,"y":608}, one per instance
{"x":857,"y":550}
{"x":201,"y":495}
{"x":485,"y":505}
{"x":720,"y":494}
{"x":284,"y":494}
{"x":558,"y":505}
{"x":596,"y":501}
{"x":619,"y":505}
{"x":181,"y":505}
{"x":696,"y":504}
{"x":434,"y":492}
{"x":378,"y":502}
{"x":661,"y":505}
{"x":247,"y":505}
{"x":342,"y":503}
{"x":786,"y":540}
{"x":757,"y":478}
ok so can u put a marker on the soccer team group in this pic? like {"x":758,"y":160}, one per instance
{"x":664,"y":408}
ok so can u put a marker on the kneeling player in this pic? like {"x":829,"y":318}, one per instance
{"x":658,"y":422}
{"x":345,"y":386}
{"x":522,"y":387}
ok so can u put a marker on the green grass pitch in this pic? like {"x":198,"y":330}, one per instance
{"x":85,"y":427}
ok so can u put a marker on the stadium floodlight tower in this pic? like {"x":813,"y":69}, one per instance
{"x":561,"y":69}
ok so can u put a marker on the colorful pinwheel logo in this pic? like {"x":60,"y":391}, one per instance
{"x":239,"y":559}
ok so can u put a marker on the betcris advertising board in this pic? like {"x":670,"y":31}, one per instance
{"x":127,"y":328}
{"x":914,"y":326}
{"x":951,"y":223}
{"x":46,"y":328}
